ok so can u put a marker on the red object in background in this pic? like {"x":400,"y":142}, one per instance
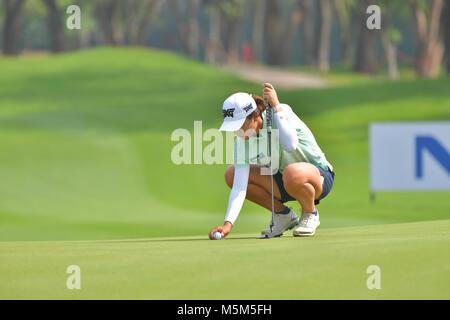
{"x":247,"y":53}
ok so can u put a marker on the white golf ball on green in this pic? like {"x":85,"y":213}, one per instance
{"x":217,"y":236}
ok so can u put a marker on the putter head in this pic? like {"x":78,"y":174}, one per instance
{"x":266,"y":236}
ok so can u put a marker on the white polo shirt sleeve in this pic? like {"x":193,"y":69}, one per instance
{"x":238,"y":193}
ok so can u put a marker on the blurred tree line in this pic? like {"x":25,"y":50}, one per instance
{"x":273,"y":32}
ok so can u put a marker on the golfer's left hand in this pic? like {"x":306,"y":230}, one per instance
{"x":270,"y":95}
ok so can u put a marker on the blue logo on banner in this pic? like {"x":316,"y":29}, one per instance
{"x":435,"y":149}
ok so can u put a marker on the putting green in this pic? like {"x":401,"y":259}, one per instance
{"x":413,"y":259}
{"x":85,"y":155}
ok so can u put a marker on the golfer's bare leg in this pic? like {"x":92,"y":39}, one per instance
{"x":258,"y":189}
{"x":303,"y":181}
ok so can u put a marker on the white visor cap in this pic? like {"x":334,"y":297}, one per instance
{"x":235,"y":109}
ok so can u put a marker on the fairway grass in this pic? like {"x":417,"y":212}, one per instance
{"x":85,"y":142}
{"x":413,"y":258}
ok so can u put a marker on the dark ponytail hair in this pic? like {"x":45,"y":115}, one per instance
{"x":260,"y":105}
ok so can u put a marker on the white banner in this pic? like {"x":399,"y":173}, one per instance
{"x":409,"y":156}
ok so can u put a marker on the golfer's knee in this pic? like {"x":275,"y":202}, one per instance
{"x":294,"y":182}
{"x":296,"y":178}
{"x":229,"y":176}
{"x":299,"y":187}
{"x":303,"y":190}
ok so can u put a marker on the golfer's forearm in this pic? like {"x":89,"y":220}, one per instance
{"x":238,"y":193}
{"x":235,"y":203}
{"x":288,"y":135}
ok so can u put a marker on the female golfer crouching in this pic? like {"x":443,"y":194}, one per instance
{"x":304,"y":173}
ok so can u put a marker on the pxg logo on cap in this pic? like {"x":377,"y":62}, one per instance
{"x":235,"y":109}
{"x":247,"y":108}
{"x":228,"y":113}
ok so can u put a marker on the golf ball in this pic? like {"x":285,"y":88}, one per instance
{"x":217,"y":236}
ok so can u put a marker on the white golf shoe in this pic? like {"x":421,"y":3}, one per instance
{"x":281,"y":223}
{"x":309,"y":222}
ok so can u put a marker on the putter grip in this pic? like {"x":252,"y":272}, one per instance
{"x":268,"y":116}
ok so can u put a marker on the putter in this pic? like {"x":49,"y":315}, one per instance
{"x":269,"y":136}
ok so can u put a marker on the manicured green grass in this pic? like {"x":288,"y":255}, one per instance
{"x":85,"y":146}
{"x":85,"y":155}
{"x":412,"y":258}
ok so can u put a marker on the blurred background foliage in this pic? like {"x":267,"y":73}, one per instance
{"x":317,"y":33}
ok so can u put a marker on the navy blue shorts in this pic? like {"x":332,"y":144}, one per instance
{"x":328,"y":180}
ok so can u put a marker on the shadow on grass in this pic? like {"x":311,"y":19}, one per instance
{"x":178,"y":239}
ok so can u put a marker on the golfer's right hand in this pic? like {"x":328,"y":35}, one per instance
{"x":225,"y":230}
